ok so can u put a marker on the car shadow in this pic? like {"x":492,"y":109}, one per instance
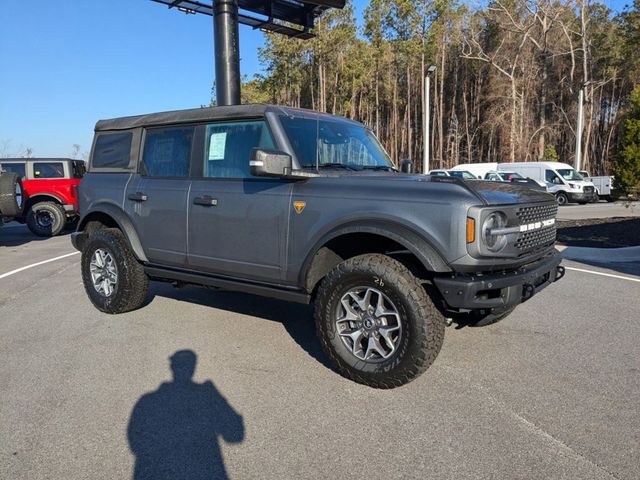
{"x":296,"y":318}
{"x":16,"y":235}
{"x":174,"y":431}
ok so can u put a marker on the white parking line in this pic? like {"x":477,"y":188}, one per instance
{"x":599,"y":273}
{"x":17,"y":270}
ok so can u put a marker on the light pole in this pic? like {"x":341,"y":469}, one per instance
{"x":578,"y":159}
{"x":427,"y":108}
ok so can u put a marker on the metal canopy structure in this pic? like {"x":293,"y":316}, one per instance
{"x":287,"y":17}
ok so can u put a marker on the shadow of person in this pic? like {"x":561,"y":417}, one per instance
{"x":173,"y":432}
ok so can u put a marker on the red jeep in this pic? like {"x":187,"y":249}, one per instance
{"x":50,"y":191}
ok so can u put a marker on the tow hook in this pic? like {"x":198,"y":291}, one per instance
{"x":559,"y":273}
{"x":527,"y":291}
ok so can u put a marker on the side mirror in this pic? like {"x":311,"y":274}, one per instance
{"x":406,"y":166}
{"x":269,"y":163}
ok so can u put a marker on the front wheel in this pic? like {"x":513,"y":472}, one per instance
{"x":562,"y":199}
{"x":376,"y":322}
{"x":113,"y":279}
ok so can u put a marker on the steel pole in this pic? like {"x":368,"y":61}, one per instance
{"x":578,"y":159}
{"x":425,"y":159}
{"x":227,"y":51}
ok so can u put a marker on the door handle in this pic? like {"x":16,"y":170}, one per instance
{"x":137,"y":197}
{"x":206,"y":201}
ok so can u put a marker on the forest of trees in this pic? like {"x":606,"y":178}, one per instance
{"x":506,"y":83}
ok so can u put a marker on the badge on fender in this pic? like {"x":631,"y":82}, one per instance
{"x":299,"y":206}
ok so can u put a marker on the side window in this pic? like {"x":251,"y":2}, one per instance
{"x":167,"y":152}
{"x":494,"y":177}
{"x":48,"y":170}
{"x":78,"y":168}
{"x":18,"y":168}
{"x":551,"y":177}
{"x":228,"y":147}
{"x":112,"y":150}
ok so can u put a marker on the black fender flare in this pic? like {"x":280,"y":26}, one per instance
{"x":39,"y":197}
{"x":416,"y":244}
{"x":122,"y":220}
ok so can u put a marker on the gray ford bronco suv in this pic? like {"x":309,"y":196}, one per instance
{"x":307,"y":207}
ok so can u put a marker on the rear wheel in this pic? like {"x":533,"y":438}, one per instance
{"x":113,"y":279}
{"x":376,"y":322}
{"x":46,"y":219}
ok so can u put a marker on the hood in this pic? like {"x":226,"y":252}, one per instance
{"x":496,"y":193}
{"x":491,"y":193}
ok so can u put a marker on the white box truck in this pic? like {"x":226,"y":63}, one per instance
{"x":603,"y":185}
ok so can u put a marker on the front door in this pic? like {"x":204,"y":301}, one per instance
{"x":156,"y":198}
{"x":237,"y":223}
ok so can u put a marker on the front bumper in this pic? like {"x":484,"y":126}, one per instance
{"x":502,"y":289}
{"x":576,"y":197}
{"x":70,"y":210}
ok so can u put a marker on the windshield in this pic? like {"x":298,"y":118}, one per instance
{"x":334,"y":143}
{"x":569,"y":174}
{"x":462,"y":174}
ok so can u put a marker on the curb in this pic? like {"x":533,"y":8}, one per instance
{"x":602,"y":255}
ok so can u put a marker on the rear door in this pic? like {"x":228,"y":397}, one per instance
{"x":156,"y":197}
{"x":237,"y":223}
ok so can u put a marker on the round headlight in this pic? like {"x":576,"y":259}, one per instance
{"x":494,"y":221}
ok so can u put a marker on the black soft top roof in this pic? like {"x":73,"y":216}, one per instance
{"x":203,"y":114}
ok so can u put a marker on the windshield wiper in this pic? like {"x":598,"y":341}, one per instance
{"x":386,"y":168}
{"x":331,"y":165}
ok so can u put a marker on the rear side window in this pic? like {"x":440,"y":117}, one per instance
{"x":48,"y":170}
{"x":112,"y":150}
{"x":18,"y":168}
{"x":79,"y":168}
{"x":167,"y":152}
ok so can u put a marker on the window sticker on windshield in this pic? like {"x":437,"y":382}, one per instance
{"x":217,"y":144}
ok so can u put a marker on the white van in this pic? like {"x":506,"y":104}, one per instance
{"x":562,"y":180}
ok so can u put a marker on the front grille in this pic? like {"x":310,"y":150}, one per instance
{"x":539,"y":238}
{"x":588,"y":189}
{"x":530,"y":242}
{"x":536,"y":213}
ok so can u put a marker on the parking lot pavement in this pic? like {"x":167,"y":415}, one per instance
{"x":550,"y":392}
{"x":599,"y":210}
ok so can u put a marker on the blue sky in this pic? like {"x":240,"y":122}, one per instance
{"x":65,"y":64}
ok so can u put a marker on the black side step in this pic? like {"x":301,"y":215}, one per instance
{"x":160,"y":273}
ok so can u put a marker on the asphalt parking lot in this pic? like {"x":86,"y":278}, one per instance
{"x":550,"y":392}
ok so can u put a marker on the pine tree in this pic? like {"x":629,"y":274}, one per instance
{"x":627,"y":166}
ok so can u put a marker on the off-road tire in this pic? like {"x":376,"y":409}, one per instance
{"x":562,"y":199}
{"x":423,"y":325}
{"x":57,"y":214}
{"x":10,"y":183}
{"x":132,"y":284}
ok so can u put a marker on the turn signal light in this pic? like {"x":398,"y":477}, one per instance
{"x":471,"y":230}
